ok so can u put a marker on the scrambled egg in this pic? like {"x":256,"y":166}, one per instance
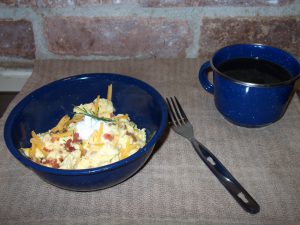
{"x":93,"y":137}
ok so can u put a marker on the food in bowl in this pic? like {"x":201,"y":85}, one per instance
{"x":41,"y":109}
{"x":93,"y":137}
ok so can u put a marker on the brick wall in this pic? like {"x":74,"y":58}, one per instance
{"x":119,"y":29}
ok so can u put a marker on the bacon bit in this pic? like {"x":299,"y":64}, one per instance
{"x":108,"y":136}
{"x":76,"y":138}
{"x":61,"y":159}
{"x":68,"y":146}
{"x":53,"y":139}
{"x":52,"y":162}
{"x":46,"y":149}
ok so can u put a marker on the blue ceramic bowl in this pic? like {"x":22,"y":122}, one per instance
{"x":42,"y":109}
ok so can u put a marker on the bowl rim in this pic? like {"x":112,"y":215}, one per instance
{"x":113,"y":76}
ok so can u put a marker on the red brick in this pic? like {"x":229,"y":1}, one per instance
{"x":8,"y":2}
{"x":27,"y":3}
{"x":193,"y":3}
{"x":122,"y":36}
{"x":16,"y":39}
{"x":282,"y":32}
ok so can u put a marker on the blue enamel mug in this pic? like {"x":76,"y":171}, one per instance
{"x":244,"y":103}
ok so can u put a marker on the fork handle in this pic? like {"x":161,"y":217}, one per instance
{"x":230,"y":183}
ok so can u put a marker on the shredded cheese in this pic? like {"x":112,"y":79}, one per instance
{"x":109,"y":92}
{"x":61,"y":124}
{"x":93,"y":137}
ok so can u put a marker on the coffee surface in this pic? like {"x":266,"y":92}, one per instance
{"x":255,"y":71}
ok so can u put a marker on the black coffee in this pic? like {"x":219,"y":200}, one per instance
{"x":255,"y":71}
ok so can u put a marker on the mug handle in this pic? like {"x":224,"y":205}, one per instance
{"x":203,"y":72}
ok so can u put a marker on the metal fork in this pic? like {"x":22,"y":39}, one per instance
{"x":183,"y":127}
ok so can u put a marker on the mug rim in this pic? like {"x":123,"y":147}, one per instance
{"x":294,"y":78}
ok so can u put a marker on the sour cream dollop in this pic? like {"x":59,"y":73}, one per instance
{"x":88,"y":125}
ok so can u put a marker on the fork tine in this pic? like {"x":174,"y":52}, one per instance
{"x":177,"y":114}
{"x":181,"y":110}
{"x":171,"y":113}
